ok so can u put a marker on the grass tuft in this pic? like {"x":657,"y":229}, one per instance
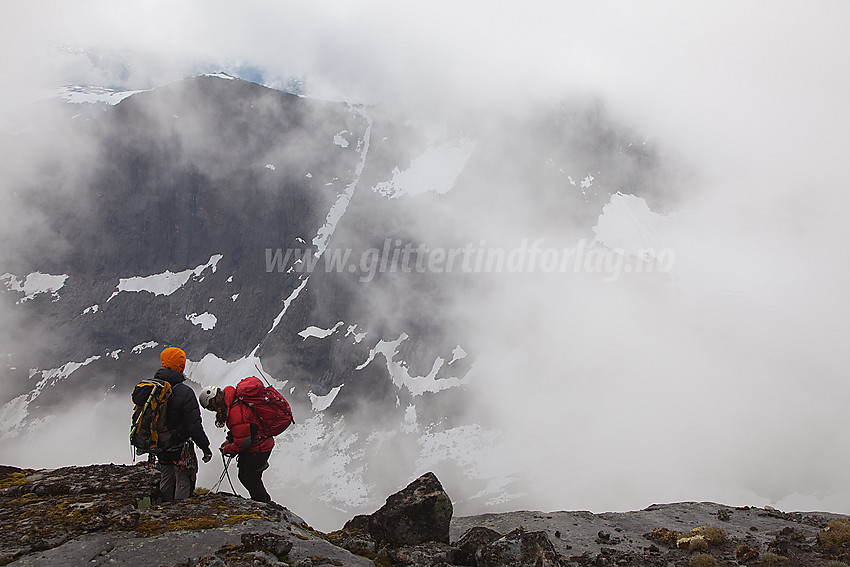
{"x":836,"y":535}
{"x":702,"y":560}
{"x":770,"y":558}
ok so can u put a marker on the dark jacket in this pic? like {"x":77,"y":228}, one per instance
{"x":184,"y":413}
{"x":244,"y":426}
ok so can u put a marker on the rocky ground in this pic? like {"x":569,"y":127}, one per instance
{"x":110,"y":515}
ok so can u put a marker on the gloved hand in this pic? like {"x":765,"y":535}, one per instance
{"x":207,"y":456}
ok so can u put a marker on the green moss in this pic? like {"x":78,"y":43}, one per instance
{"x":27,"y":498}
{"x":50,"y":516}
{"x":443,"y":508}
{"x":14,"y":479}
{"x":150,"y":528}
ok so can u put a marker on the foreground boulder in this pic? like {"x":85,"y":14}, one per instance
{"x":519,"y":549}
{"x":413,"y":529}
{"x":471,"y":541}
{"x":420,"y":513}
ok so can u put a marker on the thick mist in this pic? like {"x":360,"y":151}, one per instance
{"x":722,"y":379}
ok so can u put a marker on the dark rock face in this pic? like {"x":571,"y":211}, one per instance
{"x":420,"y":513}
{"x":471,"y":541}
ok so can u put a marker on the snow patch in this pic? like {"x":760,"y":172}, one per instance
{"x":352,"y":330}
{"x":409,"y":425}
{"x":340,"y":140}
{"x":458,"y":354}
{"x":165,"y":283}
{"x":286,"y":303}
{"x":48,"y":378}
{"x":79,"y":94}
{"x":221,"y":75}
{"x":214,"y":371}
{"x":318,"y":332}
{"x":35,"y":284}
{"x":140,"y":347}
{"x":92,"y":309}
{"x":321,"y":403}
{"x":435,"y":170}
{"x":341,"y":204}
{"x":628,"y":225}
{"x":477,"y":450}
{"x":322,"y":455}
{"x":205,"y":320}
{"x":416,"y":385}
{"x":12,"y":416}
{"x":270,"y":166}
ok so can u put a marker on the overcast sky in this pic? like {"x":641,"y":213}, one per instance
{"x":770,"y":76}
{"x":751,"y":95}
{"x":722,"y":75}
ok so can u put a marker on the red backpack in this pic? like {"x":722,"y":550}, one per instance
{"x":270,"y":406}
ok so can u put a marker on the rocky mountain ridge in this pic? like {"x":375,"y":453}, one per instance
{"x":110,"y":515}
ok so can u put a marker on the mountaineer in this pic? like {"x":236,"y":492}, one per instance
{"x":179,"y":465}
{"x":254,"y":414}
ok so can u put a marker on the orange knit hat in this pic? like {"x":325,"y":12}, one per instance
{"x":173,"y":358}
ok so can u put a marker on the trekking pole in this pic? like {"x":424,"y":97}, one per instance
{"x":230,"y":482}
{"x":223,"y":474}
{"x":257,"y":366}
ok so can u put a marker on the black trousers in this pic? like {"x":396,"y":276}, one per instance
{"x":178,"y":470}
{"x":251,"y":467}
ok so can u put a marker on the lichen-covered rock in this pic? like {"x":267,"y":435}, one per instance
{"x":420,"y":513}
{"x":519,"y":549}
{"x":42,"y":509}
{"x":110,"y":515}
{"x":424,"y":555}
{"x":275,"y":544}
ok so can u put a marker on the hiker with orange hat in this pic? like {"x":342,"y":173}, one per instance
{"x":179,"y":466}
